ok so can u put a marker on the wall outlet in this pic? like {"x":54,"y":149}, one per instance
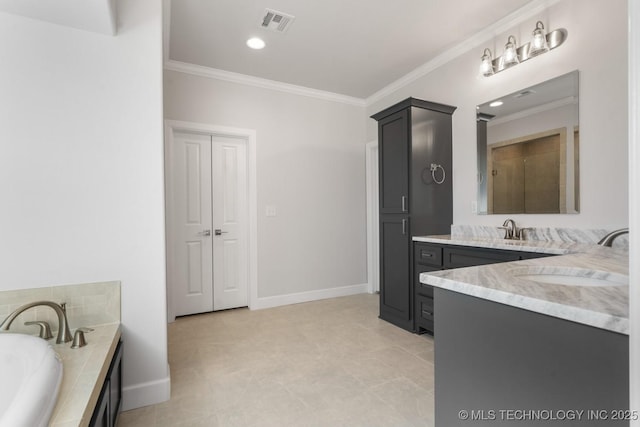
{"x":270,"y":210}
{"x":474,"y":206}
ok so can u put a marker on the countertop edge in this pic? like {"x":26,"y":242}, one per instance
{"x":76,"y":403}
{"x":97,"y":388}
{"x":561,"y":311}
{"x":535,"y":246}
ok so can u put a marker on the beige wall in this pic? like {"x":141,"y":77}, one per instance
{"x":310,"y":166}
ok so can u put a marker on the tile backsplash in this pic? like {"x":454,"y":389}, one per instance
{"x":88,"y":304}
{"x":545,"y":234}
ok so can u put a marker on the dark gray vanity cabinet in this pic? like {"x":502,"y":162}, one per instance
{"x":433,"y":257}
{"x":414,"y":136}
{"x":493,"y":358}
{"x":110,"y":400}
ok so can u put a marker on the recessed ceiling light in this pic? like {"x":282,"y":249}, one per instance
{"x":496,"y":104}
{"x":255,"y":43}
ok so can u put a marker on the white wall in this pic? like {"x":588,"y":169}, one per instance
{"x":81,"y":172}
{"x":310,"y":165}
{"x":597,"y":47}
{"x":634,"y":204}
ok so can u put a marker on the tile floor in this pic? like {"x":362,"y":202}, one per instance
{"x":324,"y":363}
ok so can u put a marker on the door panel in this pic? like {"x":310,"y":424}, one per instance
{"x":395,"y":258}
{"x":393,"y":149}
{"x":230,"y":262}
{"x":194,"y":268}
{"x":190,"y":218}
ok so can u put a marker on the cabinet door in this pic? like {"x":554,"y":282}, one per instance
{"x":395,"y":271}
{"x":115,"y":386}
{"x":393,"y":149}
{"x":100,"y":417}
{"x":431,"y":191}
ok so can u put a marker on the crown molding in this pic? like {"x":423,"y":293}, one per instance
{"x":486,"y":34}
{"x":213,"y":73}
{"x":499,"y":27}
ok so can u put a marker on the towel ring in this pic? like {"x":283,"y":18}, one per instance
{"x":434,"y":168}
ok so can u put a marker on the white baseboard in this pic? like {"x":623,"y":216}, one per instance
{"x":145,"y":394}
{"x":279,"y":300}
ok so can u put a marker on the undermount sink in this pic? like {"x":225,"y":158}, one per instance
{"x":31,"y":374}
{"x":570,"y":276}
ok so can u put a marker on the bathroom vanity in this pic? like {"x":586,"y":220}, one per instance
{"x":438,"y":256}
{"x":533,"y":338}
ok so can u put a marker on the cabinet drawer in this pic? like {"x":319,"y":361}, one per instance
{"x":425,"y":308}
{"x":428,"y":255}
{"x":456,"y":258}
{"x":424,"y":314}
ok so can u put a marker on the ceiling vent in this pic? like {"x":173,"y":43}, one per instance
{"x":276,"y":21}
{"x":524,"y":93}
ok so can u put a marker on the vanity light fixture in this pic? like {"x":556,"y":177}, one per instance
{"x":256,"y":43}
{"x":514,"y":55}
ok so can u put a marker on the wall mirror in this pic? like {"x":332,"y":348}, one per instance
{"x":529,"y":148}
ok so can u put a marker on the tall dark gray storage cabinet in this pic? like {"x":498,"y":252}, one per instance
{"x":415,"y":195}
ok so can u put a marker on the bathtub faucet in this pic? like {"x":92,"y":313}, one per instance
{"x":64,"y":334}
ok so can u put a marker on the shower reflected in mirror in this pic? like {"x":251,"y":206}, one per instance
{"x":528,"y":148}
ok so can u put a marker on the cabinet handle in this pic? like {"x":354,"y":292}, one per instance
{"x":424,"y":254}
{"x":427,"y":313}
{"x":404,"y":203}
{"x":404,"y":226}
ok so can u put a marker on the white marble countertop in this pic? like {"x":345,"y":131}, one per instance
{"x":605,"y":307}
{"x":556,"y":248}
{"x":85,"y":370}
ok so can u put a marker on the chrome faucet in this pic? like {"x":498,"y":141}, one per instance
{"x":511,"y":231}
{"x":64,"y":334}
{"x":609,"y":238}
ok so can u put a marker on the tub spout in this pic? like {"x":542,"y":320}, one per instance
{"x":64,"y":334}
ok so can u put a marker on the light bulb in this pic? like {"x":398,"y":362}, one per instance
{"x":539,"y":42}
{"x":486,"y":66}
{"x":510,"y":55}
